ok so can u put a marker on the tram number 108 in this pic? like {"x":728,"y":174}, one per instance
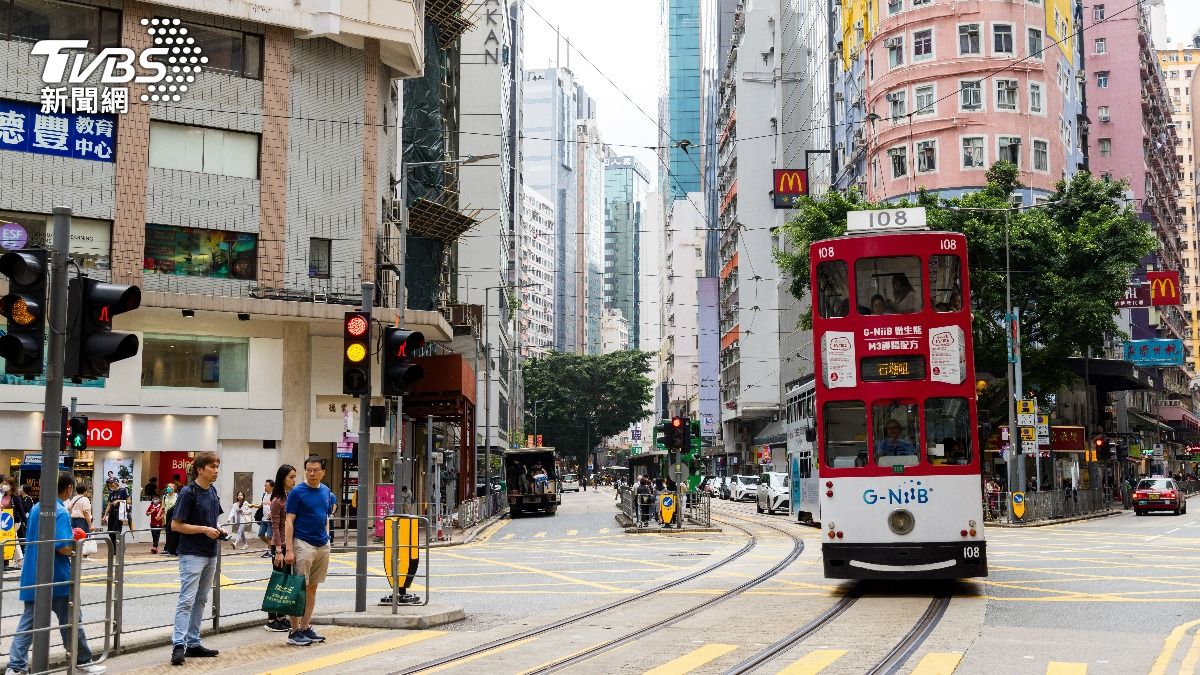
{"x":971,"y":551}
{"x":882,"y":219}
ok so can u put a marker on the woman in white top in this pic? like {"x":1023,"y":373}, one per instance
{"x":80,"y":507}
{"x":240,"y":516}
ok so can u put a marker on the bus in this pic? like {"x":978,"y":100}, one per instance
{"x":898,"y":458}
{"x":803,"y":475}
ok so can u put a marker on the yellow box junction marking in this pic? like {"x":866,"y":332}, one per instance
{"x":938,"y":663}
{"x":692,"y":660}
{"x":813,"y":662}
{"x":348,"y":655}
{"x":1066,"y":668}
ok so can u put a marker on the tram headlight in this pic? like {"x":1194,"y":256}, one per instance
{"x":901,"y":521}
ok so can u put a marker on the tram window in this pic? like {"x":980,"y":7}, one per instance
{"x":945,"y":283}
{"x":833,"y":281}
{"x":845,"y":434}
{"x":948,"y":430}
{"x":895,"y":426}
{"x":888,"y":285}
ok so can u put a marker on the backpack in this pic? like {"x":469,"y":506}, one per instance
{"x":172,"y":545}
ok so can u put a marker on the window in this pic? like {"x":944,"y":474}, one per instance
{"x":229,"y":51}
{"x":845,"y":434}
{"x":920,"y":3}
{"x":923,"y":45}
{"x":1002,"y":38}
{"x":926,"y":156}
{"x":1041,"y":156}
{"x":925,"y":99}
{"x":894,"y":427}
{"x":32,"y":20}
{"x":195,"y":362}
{"x":217,"y":151}
{"x":895,"y":6}
{"x":1105,"y":147}
{"x":899,"y":162}
{"x":970,"y":95}
{"x":886,"y":285}
{"x":948,"y":431}
{"x":897,"y":104}
{"x":191,"y":251}
{"x":1035,"y":97}
{"x":320,"y":253}
{"x":1097,"y":12}
{"x":945,"y":283}
{"x":974,"y":152}
{"x":1035,"y":43}
{"x":895,"y":47}
{"x":968,"y":39}
{"x":1101,"y":45}
{"x":833,"y":289}
{"x":1006,"y":95}
{"x":1008,"y":149}
{"x":1102,"y":79}
{"x":90,"y":238}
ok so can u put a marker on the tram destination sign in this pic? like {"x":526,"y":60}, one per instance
{"x":886,"y":219}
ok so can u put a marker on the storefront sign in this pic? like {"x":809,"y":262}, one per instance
{"x":384,"y":498}
{"x":23,"y":128}
{"x":1155,"y":352}
{"x":12,"y":236}
{"x":104,"y":433}
{"x":334,"y":407}
{"x":1164,"y":288}
{"x":790,"y":186}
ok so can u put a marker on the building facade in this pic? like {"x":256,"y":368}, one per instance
{"x":537,"y":270}
{"x":614,"y":331}
{"x":626,"y":185}
{"x":589,"y":234}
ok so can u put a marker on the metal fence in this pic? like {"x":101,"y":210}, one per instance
{"x":697,"y":508}
{"x":1048,"y":504}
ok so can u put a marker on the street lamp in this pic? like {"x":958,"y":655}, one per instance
{"x":487,"y":369}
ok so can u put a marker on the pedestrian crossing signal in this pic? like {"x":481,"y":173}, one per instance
{"x":77,"y":433}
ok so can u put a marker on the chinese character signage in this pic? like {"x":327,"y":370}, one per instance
{"x":23,"y":128}
{"x":1164,"y":288}
{"x":1136,"y":295}
{"x":1157,"y":352}
{"x":790,"y":186}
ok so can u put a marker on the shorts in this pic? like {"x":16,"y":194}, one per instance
{"x":311,"y":561}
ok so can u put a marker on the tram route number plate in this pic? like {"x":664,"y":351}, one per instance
{"x":972,"y":552}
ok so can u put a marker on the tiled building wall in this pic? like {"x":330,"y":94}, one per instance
{"x":273,"y":171}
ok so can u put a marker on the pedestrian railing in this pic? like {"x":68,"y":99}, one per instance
{"x":698,"y":509}
{"x":1047,"y":504}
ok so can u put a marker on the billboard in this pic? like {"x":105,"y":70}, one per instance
{"x":1156,"y":352}
{"x":1164,"y":288}
{"x":789,"y":186}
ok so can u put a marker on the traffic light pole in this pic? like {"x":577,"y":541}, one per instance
{"x":364,"y":469}
{"x":51,"y":438}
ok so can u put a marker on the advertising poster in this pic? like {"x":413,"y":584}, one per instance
{"x":947,"y":355}
{"x":837,"y":360}
{"x":384,"y":496}
{"x":190,"y":251}
{"x":119,"y":469}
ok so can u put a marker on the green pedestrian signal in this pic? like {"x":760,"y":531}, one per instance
{"x":77,"y":433}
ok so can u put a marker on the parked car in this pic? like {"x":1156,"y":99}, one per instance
{"x":1158,"y":494}
{"x":774,"y":492}
{"x":570,"y":482}
{"x":743,"y":488}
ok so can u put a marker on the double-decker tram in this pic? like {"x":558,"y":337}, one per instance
{"x":899,"y":461}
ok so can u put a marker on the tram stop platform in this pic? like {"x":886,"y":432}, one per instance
{"x":1057,"y":521}
{"x":688,"y":528}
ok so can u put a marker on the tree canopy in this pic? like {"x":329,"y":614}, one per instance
{"x":1070,"y":262}
{"x":582,"y":399}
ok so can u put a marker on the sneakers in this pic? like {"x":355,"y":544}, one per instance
{"x":278,"y":626}
{"x":178,"y":654}
{"x":298,"y":638}
{"x":312,"y":635}
{"x":266,"y":554}
{"x":201,"y":650}
{"x":10,"y":671}
{"x":91,"y":669}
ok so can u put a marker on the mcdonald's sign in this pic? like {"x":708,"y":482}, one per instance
{"x":789,"y":186}
{"x":1164,"y":288}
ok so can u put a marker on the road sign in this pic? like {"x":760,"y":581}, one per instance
{"x":666,"y":502}
{"x":679,"y":472}
{"x":1026,"y":412}
{"x":1018,"y":505}
{"x":635,"y":450}
{"x":401,"y":543}
{"x":1043,"y":429}
{"x":8,"y":533}
{"x":1028,"y":434}
{"x":1028,"y":447}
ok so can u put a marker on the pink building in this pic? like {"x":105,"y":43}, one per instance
{"x":952,"y":87}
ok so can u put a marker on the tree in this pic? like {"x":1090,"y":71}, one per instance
{"x":586,"y":398}
{"x":1070,"y":259}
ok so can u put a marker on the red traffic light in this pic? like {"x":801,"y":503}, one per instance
{"x":676,"y":422}
{"x":1099,"y":442}
{"x":357,"y":325}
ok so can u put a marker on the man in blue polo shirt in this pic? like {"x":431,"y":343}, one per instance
{"x":306,"y":526}
{"x":64,"y":548}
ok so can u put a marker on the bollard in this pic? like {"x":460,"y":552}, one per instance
{"x":119,"y":595}
{"x":395,"y":580}
{"x":216,"y":592}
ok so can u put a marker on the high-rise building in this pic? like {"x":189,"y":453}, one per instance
{"x":680,"y":135}
{"x":614,"y":331}
{"x":683,"y":264}
{"x":626,"y":185}
{"x":589,"y":232}
{"x":537,"y":269}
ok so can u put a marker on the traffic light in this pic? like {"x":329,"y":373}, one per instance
{"x":660,"y":434}
{"x":675,"y":433}
{"x":77,"y":433}
{"x":1103,"y":449}
{"x":92,"y":345}
{"x":684,"y":434}
{"x":356,"y":366}
{"x":398,"y":372}
{"x":24,"y":343}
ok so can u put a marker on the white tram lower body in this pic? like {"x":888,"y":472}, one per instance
{"x":902,"y":527}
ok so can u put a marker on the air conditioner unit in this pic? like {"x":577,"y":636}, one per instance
{"x":1105,"y":118}
{"x":892,"y":97}
{"x":893,"y":43}
{"x":858,"y":135}
{"x":1081,"y":76}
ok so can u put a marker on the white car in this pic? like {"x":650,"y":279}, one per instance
{"x":774,"y":492}
{"x":743,"y":488}
{"x":570,"y":483}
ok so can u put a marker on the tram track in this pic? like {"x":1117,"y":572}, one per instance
{"x":912,"y":640}
{"x":752,"y":542}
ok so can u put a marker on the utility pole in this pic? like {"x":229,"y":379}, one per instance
{"x":51,"y":437}
{"x":364,"y":464}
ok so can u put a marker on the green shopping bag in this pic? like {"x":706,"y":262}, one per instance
{"x":285,"y":593}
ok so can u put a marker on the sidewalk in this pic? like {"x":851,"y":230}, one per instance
{"x":1056,"y":521}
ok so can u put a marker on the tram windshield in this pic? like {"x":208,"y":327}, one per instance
{"x":888,"y":285}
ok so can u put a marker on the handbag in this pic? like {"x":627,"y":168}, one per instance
{"x":285,"y":593}
{"x":89,"y":547}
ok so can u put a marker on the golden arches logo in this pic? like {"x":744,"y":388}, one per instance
{"x":790,"y":182}
{"x":1163,"y":288}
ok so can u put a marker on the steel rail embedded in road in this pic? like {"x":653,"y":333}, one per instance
{"x":533,"y":632}
{"x":900,"y":653}
{"x":797,"y":636}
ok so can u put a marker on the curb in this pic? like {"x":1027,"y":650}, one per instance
{"x":1055,"y":521}
{"x":626,"y":523}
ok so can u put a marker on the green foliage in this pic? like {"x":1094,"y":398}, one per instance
{"x":1070,"y":261}
{"x":584,"y":399}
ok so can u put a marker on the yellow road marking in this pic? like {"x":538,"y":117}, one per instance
{"x":468,"y":659}
{"x":813,"y":662}
{"x":1066,"y":668}
{"x":938,"y":663}
{"x":572,"y":533}
{"x":345,"y":656}
{"x":1169,"y":645}
{"x":1193,"y":655}
{"x":510,"y":535}
{"x":553,"y":575}
{"x":539,"y":535}
{"x":604,"y":530}
{"x":692,"y":660}
{"x":492,"y":529}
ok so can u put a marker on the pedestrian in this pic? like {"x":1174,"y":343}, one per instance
{"x":157,"y":514}
{"x":406,"y":499}
{"x":170,"y":496}
{"x":240,"y":514}
{"x":583,"y":482}
{"x":151,"y":489}
{"x":26,"y":504}
{"x":117,"y":514}
{"x":263,"y":515}
{"x":60,"y":604}
{"x":285,"y":480}
{"x":81,"y":508}
{"x":644,"y":496}
{"x":307,"y":539}
{"x":11,"y":500}
{"x":195,"y":519}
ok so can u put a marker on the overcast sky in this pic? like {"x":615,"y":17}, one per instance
{"x":1183,"y":18}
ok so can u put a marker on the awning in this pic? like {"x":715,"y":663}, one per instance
{"x":773,"y":434}
{"x":1147,"y":421}
{"x":1111,"y":375}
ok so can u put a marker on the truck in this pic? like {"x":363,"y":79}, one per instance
{"x":527,"y":494}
